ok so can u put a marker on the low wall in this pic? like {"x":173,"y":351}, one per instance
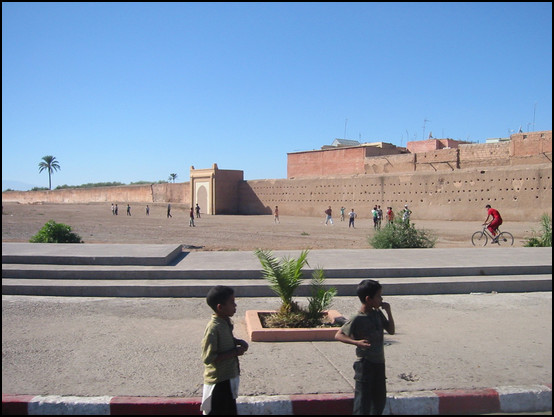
{"x":151,"y":193}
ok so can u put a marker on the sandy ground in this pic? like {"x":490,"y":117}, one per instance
{"x":95,"y":224}
{"x":151,"y":346}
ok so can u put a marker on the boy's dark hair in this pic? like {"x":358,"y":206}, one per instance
{"x":218,"y":295}
{"x":367,"y":288}
{"x":488,"y":206}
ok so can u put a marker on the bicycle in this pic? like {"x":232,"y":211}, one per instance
{"x":481,"y":238}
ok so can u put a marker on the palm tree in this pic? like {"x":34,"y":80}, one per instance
{"x":50,"y":164}
{"x":284,"y":276}
{"x":172,"y":177}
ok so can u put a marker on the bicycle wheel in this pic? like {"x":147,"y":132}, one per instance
{"x":505,"y":239}
{"x":479,"y":239}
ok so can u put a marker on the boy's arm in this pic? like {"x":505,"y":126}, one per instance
{"x":390,"y":328}
{"x":341,"y":337}
{"x":235,"y":352}
{"x":240,"y":347}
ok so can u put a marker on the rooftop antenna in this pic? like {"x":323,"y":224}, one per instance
{"x":345,"y":123}
{"x":534,"y":111}
{"x":424,"y":122}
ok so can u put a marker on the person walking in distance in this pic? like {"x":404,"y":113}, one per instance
{"x":276,"y":215}
{"x":375,"y":216}
{"x":390,"y":215}
{"x":406,"y":213}
{"x":197,"y":211}
{"x":351,"y":216}
{"x":191,"y":218}
{"x":169,"y":211}
{"x":328,"y":216}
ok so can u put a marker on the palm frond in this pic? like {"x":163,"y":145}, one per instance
{"x":284,"y":275}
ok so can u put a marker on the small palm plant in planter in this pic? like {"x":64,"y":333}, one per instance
{"x":284,"y":277}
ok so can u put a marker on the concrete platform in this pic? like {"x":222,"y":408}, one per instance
{"x":89,"y":254}
{"x":128,"y":270}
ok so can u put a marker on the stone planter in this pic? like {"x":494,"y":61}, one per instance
{"x":258,"y":333}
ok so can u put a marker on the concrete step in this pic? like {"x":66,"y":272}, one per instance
{"x":134,"y":272}
{"x":260,"y":288}
{"x":90,"y":254}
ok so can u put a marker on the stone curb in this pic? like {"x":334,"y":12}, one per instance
{"x":511,"y":399}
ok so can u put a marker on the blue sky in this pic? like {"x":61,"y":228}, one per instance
{"x":135,"y":91}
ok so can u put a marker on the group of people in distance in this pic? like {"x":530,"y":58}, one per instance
{"x":192,"y":212}
{"x":376,"y":214}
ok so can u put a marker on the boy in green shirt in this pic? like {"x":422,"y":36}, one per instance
{"x":365,"y":331}
{"x":220,"y":352}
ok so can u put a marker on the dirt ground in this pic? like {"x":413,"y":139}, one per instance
{"x":95,"y":223}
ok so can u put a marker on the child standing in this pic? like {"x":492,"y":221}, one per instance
{"x":220,"y":352}
{"x":365,"y":331}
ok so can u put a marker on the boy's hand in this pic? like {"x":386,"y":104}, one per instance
{"x":385,"y":306}
{"x":364,"y":343}
{"x":242,"y":344}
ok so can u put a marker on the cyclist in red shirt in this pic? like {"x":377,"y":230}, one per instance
{"x":495,"y":222}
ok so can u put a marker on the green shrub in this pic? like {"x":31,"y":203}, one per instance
{"x":544,"y":239}
{"x":53,"y":232}
{"x":400,"y":234}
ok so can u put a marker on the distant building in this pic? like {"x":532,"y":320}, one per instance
{"x":497,"y":140}
{"x":345,"y":142}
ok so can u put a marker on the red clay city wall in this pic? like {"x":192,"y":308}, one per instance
{"x":427,"y":155}
{"x":518,"y":192}
{"x":443,"y":184}
{"x":152,"y":193}
{"x":319,"y":163}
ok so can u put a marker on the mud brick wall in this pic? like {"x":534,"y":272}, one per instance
{"x":515,"y":177}
{"x":389,"y":164}
{"x":319,"y":163}
{"x":518,"y":192}
{"x":227,"y":191}
{"x":485,"y":154}
{"x":151,"y":193}
{"x":438,"y":160}
{"x":432,"y":145}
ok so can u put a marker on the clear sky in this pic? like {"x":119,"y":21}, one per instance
{"x":136,"y":91}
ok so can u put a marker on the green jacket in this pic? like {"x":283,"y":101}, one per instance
{"x":218,"y":338}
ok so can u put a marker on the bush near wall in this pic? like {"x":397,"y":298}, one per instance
{"x":53,"y":232}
